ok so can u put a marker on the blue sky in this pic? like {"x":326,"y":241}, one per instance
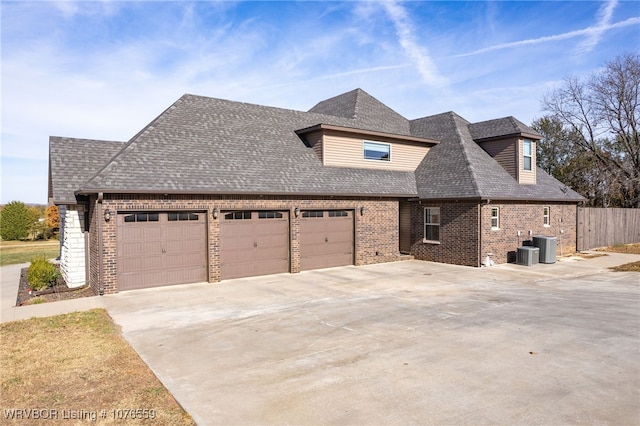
{"x":103,"y":70}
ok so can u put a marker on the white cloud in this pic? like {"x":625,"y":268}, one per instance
{"x":418,"y":54}
{"x":604,"y":15}
{"x":589,"y":31}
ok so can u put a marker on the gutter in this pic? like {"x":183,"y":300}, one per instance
{"x":248,"y":194}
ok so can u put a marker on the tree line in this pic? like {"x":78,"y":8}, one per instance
{"x":591,"y":139}
{"x":21,"y":222}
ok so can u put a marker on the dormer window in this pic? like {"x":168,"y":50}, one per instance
{"x":377,"y":151}
{"x":527,"y":158}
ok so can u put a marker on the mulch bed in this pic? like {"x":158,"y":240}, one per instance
{"x":60,"y":291}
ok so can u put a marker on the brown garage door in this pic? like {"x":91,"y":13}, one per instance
{"x":156,"y":249}
{"x":326,"y":239}
{"x":254,"y":243}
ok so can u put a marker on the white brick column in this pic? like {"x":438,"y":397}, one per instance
{"x":72,"y":256}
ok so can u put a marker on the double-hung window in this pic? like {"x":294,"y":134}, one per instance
{"x":527,"y":155}
{"x":546,"y":216}
{"x":376,"y":151}
{"x":495,"y":218}
{"x":432,"y":224}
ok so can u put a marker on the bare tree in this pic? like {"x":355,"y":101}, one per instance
{"x":604,"y":113}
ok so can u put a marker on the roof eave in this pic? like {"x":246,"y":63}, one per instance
{"x":90,"y":191}
{"x":524,"y":200}
{"x":534,"y":136}
{"x":353,"y":130}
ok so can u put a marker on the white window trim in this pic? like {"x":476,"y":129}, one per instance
{"x":364,"y":142}
{"x":546,"y":218}
{"x":424,"y":229}
{"x":524,"y":155}
{"x":495,"y":228}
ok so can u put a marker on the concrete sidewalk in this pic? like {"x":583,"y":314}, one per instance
{"x":9,"y":281}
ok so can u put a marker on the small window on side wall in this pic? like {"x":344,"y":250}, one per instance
{"x":432,"y":224}
{"x":377,"y":151}
{"x":495,"y":218}
{"x":527,"y":156}
{"x":546,"y":215}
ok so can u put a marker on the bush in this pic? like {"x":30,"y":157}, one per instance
{"x":42,"y":273}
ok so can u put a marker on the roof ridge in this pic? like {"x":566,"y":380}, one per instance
{"x":112,"y":162}
{"x":465,"y":153}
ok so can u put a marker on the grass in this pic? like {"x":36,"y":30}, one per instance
{"x":627,"y":267}
{"x":76,"y":362}
{"x":625,"y":248}
{"x":14,"y":252}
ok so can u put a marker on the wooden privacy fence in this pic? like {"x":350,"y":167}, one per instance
{"x":601,"y":227}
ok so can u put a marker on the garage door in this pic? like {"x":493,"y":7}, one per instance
{"x":254,"y":243}
{"x":156,"y":249}
{"x":326,"y":239}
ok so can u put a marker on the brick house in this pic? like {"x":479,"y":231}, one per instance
{"x":214,"y":189}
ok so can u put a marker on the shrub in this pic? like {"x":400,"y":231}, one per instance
{"x":42,"y":273}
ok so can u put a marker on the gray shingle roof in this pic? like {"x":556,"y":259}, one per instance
{"x":214,"y":146}
{"x":73,"y":161}
{"x":459,"y":168}
{"x":501,"y":127}
{"x":366,"y":112}
{"x":207,"y":145}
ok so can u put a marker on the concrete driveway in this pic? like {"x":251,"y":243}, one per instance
{"x":401,"y":343}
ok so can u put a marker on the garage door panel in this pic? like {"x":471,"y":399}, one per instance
{"x":237,"y":228}
{"x":341,"y":236}
{"x":237,"y":243}
{"x":270,"y":227}
{"x":182,"y":260}
{"x":254,"y":246}
{"x":161,"y":252}
{"x":275,"y":241}
{"x":326,"y":240}
{"x":311,"y":237}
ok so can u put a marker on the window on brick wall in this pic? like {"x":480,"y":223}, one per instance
{"x":495,"y":218}
{"x":546,"y":215}
{"x":432,"y":224}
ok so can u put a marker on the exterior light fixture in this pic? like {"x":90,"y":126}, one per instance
{"x":296,"y":211}
{"x":107,"y":215}
{"x":362,"y":210}
{"x":215,"y":213}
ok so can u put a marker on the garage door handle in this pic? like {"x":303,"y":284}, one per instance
{"x":326,"y":240}
{"x":255,"y":244}
{"x":164,"y":250}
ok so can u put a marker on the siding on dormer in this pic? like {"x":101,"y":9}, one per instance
{"x":526,"y":177}
{"x":346,"y":150}
{"x":505,"y":153}
{"x":314,"y":139}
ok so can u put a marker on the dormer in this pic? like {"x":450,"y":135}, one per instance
{"x":512,"y":144}
{"x":339,"y":146}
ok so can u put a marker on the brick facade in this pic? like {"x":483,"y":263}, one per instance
{"x":376,"y":230}
{"x":462,"y":243}
{"x":528,"y":219}
{"x":459,"y":237}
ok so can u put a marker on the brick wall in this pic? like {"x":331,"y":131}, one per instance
{"x":514,"y":217}
{"x":458,"y":234}
{"x":376,"y":231}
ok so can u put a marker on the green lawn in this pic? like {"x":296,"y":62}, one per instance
{"x":13,"y":252}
